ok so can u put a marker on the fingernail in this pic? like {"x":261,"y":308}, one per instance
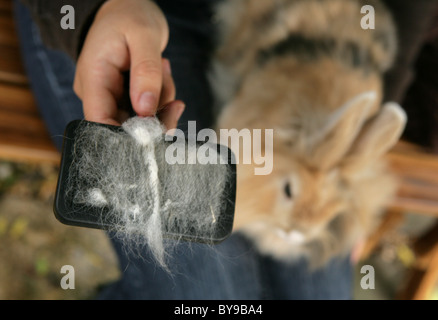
{"x":147,"y":103}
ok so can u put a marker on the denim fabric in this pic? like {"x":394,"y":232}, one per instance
{"x":51,"y":76}
{"x":230,"y":270}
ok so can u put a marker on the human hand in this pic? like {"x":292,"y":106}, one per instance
{"x":127,"y":35}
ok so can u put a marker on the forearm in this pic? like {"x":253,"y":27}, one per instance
{"x":47,"y":15}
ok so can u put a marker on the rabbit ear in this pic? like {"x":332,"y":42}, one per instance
{"x":377,"y":137}
{"x":332,"y":142}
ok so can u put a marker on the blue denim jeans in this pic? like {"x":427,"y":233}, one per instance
{"x":231,"y":270}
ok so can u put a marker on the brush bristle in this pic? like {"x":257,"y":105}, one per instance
{"x":143,"y":197}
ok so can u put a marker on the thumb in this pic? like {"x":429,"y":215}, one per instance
{"x":146,"y":77}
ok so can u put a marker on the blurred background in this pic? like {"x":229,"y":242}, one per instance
{"x":34,"y":245}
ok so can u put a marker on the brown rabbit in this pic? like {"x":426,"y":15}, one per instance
{"x":307,"y":69}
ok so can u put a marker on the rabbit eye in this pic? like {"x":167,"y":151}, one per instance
{"x":288,"y":190}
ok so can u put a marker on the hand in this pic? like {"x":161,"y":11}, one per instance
{"x":127,"y":35}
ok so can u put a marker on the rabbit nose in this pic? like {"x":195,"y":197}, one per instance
{"x":293,"y":236}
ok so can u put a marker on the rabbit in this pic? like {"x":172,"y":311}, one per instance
{"x":307,"y":70}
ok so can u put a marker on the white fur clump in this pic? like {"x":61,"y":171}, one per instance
{"x":125,"y":178}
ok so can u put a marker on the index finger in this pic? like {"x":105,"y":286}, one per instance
{"x":100,"y":91}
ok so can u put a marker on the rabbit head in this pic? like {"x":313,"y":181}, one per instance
{"x":328,"y":182}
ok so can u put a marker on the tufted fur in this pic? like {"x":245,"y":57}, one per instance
{"x":124,"y":178}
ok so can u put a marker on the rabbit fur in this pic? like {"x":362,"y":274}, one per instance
{"x":307,"y":69}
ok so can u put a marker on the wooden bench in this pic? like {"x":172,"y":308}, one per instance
{"x":418,"y":194}
{"x":23,"y":136}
